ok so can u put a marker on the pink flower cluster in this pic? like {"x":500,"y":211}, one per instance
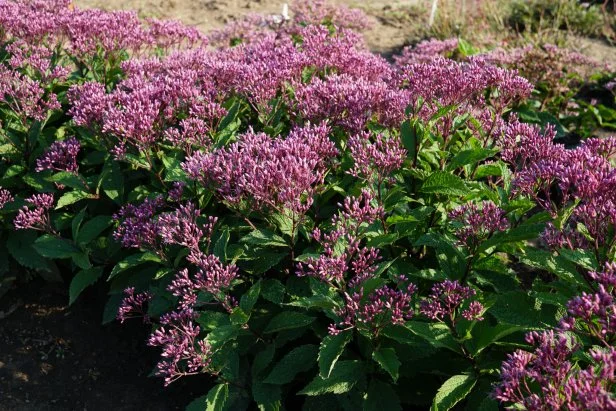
{"x":137,"y":225}
{"x":547,"y":377}
{"x":556,"y":177}
{"x":426,"y":51}
{"x":355,"y":263}
{"x":183,"y":352}
{"x":133,"y":305}
{"x":446,"y":300}
{"x":5,"y":197}
{"x":275,"y":173}
{"x":25,"y":96}
{"x":383,"y":306}
{"x":475,"y":224}
{"x":375,"y":160}
{"x":61,"y":156}
{"x":36,"y":218}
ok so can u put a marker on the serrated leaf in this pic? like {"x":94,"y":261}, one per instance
{"x":300,"y":359}
{"x":453,"y":391}
{"x":273,"y":290}
{"x":217,"y":398}
{"x":441,"y":182}
{"x":388,"y":360}
{"x":264,"y":238}
{"x":330,"y":350}
{"x":520,"y":233}
{"x":92,"y":228}
{"x":76,"y":223}
{"x":20,"y":246}
{"x":288,"y":320}
{"x":470,"y":157}
{"x":133,"y":261}
{"x":220,"y":247}
{"x":436,"y":334}
{"x":485,"y":335}
{"x":67,"y":179}
{"x":249,"y":299}
{"x":342,"y":379}
{"x":83,"y":279}
{"x":54,"y":247}
{"x":381,"y":397}
{"x":112,"y":180}
{"x":72,"y":197}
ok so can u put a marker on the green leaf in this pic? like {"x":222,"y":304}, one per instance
{"x":20,"y":245}
{"x":453,"y":391}
{"x":288,"y":320}
{"x":557,"y":265}
{"x":330,"y":350}
{"x":220,"y":247}
{"x":273,"y":290}
{"x":300,"y":359}
{"x":470,"y":157}
{"x":264,"y":238}
{"x":217,"y":397}
{"x":451,"y":260}
{"x":112,"y":180}
{"x":584,"y":258}
{"x":342,"y":379}
{"x":520,"y":233}
{"x":76,"y":223}
{"x":91,"y":229}
{"x":198,"y":404}
{"x":72,"y":197}
{"x":54,"y":247}
{"x":67,"y":179}
{"x":250,"y":298}
{"x":388,"y":360}
{"x":83,"y":279}
{"x":133,"y":261}
{"x":410,"y":134}
{"x":221,"y":335}
{"x":260,"y":260}
{"x":441,"y":182}
{"x":484,"y":335}
{"x":519,"y":308}
{"x":436,"y":334}
{"x":381,"y":397}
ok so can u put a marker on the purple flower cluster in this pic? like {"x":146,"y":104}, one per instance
{"x":25,"y":96}
{"x":476,"y":223}
{"x":36,"y":218}
{"x":5,"y":197}
{"x":212,"y":277}
{"x":446,"y":300}
{"x":556,"y":177}
{"x":375,"y":161}
{"x":61,"y":156}
{"x":349,"y":102}
{"x":138,"y":227}
{"x":382,"y":307}
{"x":355,"y":263}
{"x":548,"y":377}
{"x":426,"y":51}
{"x":133,"y":305}
{"x":275,"y":173}
{"x":181,"y":227}
{"x":183,"y":352}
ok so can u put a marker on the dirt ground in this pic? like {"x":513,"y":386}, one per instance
{"x":389,"y":32}
{"x":65,"y":360}
{"x":394,"y":20}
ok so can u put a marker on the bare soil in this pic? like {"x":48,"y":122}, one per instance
{"x":59,"y":358}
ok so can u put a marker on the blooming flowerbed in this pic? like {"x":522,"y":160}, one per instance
{"x":306,"y":224}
